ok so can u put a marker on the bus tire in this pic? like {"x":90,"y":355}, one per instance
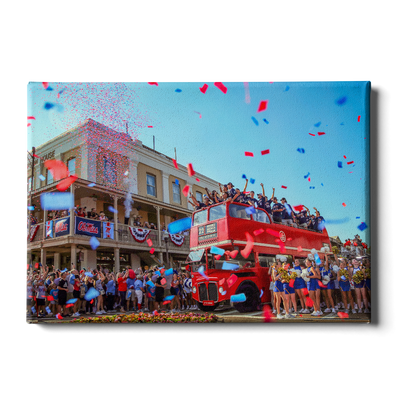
{"x":253,"y":301}
{"x":207,"y":308}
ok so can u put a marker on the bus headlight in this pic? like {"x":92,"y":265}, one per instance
{"x":221,"y":289}
{"x":194,"y":290}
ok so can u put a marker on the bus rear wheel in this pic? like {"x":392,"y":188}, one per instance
{"x":207,"y":308}
{"x":253,"y":301}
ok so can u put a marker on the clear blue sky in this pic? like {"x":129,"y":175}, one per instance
{"x":216,"y":142}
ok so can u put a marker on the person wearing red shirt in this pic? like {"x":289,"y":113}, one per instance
{"x":122,"y":288}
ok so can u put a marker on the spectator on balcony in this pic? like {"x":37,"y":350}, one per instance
{"x":92,"y":214}
{"x":147,"y":225}
{"x":153,"y":226}
{"x":103,"y":217}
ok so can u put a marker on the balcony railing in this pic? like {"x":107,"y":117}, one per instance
{"x":124,"y":236}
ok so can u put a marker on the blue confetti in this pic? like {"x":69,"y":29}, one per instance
{"x":250,"y":210}
{"x":91,"y":294}
{"x":47,"y":106}
{"x":317,"y":259}
{"x":201,"y":272}
{"x":91,"y":184}
{"x":342,"y":123}
{"x":150,"y":283}
{"x":64,"y":270}
{"x":244,"y":176}
{"x":217,"y":250}
{"x":57,"y":201}
{"x":178,"y":90}
{"x":288,"y":210}
{"x":302,"y":151}
{"x":112,"y":209}
{"x":169,"y":271}
{"x":229,"y":266}
{"x":265,"y":121}
{"x":262,"y":292}
{"x":340,"y":164}
{"x":252,"y":180}
{"x":357,"y":217}
{"x":94,"y":243}
{"x":180,"y":225}
{"x":238,"y":298}
{"x":72,"y":301}
{"x":287,"y":88}
{"x":89,"y":274}
{"x":312,"y":187}
{"x":157,"y":273}
{"x":317,"y":124}
{"x":168,"y":298}
{"x":362,"y":226}
{"x":322,"y":184}
{"x":254,"y":120}
{"x":341,"y":100}
{"x":337,"y":221}
{"x":42,"y":178}
{"x":49,"y":88}
{"x":306,"y":176}
{"x":31,"y":208}
{"x":176,"y":182}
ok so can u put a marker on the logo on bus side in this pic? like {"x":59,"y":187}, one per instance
{"x":282,"y":236}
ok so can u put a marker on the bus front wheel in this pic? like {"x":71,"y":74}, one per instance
{"x":207,"y":308}
{"x":253,"y":301}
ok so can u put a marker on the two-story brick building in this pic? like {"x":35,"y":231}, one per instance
{"x":112,"y":169}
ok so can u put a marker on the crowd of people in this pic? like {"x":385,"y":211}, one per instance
{"x":335,"y":285}
{"x":279,"y":212}
{"x":51,"y":292}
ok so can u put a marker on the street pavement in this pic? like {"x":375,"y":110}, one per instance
{"x":228,"y":314}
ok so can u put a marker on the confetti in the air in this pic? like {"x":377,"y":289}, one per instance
{"x":238,"y":298}
{"x":317,"y":124}
{"x":340,"y":164}
{"x":350,"y":162}
{"x":66,"y":183}
{"x":300,"y":150}
{"x":284,"y":187}
{"x":91,"y":184}
{"x":321,"y":133}
{"x":112,"y":209}
{"x":180,"y":225}
{"x":178,"y":90}
{"x":152,"y":250}
{"x":299,"y":249}
{"x":48,"y":105}
{"x":45,"y":84}
{"x":298,"y":208}
{"x":175,"y":164}
{"x":311,"y":134}
{"x":344,"y":204}
{"x":250,"y":210}
{"x":341,"y":100}
{"x":32,"y":118}
{"x":262,"y":106}
{"x":57,"y":168}
{"x":217,"y":250}
{"x":258,"y":232}
{"x":264,"y":152}
{"x":248,"y":154}
{"x":204,"y":88}
{"x":249,"y":246}
{"x":254,"y":120}
{"x":94,"y":243}
{"x":221,"y":87}
{"x":244,"y":176}
{"x":190,"y":169}
{"x":56,"y":201}
{"x":265,"y":121}
{"x":185,"y":190}
{"x":306,"y":176}
{"x":287,"y":88}
{"x":252,"y":181}
{"x":153,"y":83}
{"x":359,"y":118}
{"x":149,"y":242}
{"x":176,"y":182}
{"x":362,"y":226}
{"x":42,"y":178}
{"x":312,"y":187}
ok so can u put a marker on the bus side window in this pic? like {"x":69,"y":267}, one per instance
{"x":261,"y":216}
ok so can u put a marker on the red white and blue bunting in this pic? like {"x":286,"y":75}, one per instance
{"x":139,"y":234}
{"x":33,"y":232}
{"x":177,"y":239}
{"x":49,"y":228}
{"x":108,"y":230}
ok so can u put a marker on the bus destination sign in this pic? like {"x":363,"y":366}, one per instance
{"x":207,"y":232}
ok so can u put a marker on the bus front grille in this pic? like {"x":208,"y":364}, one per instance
{"x":212,"y":292}
{"x":203,"y":292}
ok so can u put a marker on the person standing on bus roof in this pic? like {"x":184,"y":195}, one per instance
{"x":251,"y":199}
{"x":277,"y":210}
{"x":231,"y":189}
{"x":266,"y":204}
{"x":303,"y":217}
{"x":239,"y":197}
{"x":287,"y":215}
{"x":319,"y":222}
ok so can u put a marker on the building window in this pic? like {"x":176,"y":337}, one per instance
{"x":110,"y":173}
{"x":199,"y":197}
{"x":151,"y":185}
{"x":176,"y":191}
{"x":49,"y":177}
{"x":71,"y":166}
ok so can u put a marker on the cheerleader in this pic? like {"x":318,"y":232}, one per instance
{"x":345,"y":287}
{"x":299,"y":285}
{"x":367,"y":266}
{"x":327,"y":273}
{"x":360,"y":287}
{"x":278,"y":290}
{"x":290,"y":295}
{"x":271,"y":289}
{"x":312,"y":286}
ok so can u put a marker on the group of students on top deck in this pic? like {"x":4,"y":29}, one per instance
{"x":279,"y":212}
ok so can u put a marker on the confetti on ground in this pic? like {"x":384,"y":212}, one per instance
{"x":94,"y":243}
{"x":153,"y":83}
{"x":262,"y":106}
{"x":178,"y":90}
{"x":321,"y":133}
{"x":340,"y":164}
{"x":180,"y":225}
{"x":250,"y":210}
{"x":284,"y":187}
{"x":221,"y":87}
{"x":252,"y":180}
{"x":238,"y":298}
{"x":302,"y":151}
{"x":45,"y":84}
{"x":248,"y":154}
{"x":48,"y":106}
{"x":57,"y":201}
{"x":265,"y":121}
{"x":42,"y":178}
{"x":350,"y":162}
{"x":190,"y":169}
{"x":258,"y":232}
{"x":175,"y":164}
{"x":359,"y":118}
{"x":341,"y":100}
{"x":149,"y":242}
{"x":287,"y":88}
{"x":91,"y":184}
{"x":264,"y":152}
{"x":185,"y":190}
{"x":58,"y":316}
{"x":57,"y":168}
{"x":204,"y":88}
{"x":344,"y":204}
{"x":254,"y":120}
{"x":299,"y":249}
{"x":362,"y":226}
{"x":217,"y":250}
{"x":112,"y":209}
{"x":249,"y":246}
{"x":317,"y":124}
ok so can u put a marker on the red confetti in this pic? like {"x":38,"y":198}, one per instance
{"x":166,"y":302}
{"x":152,"y":251}
{"x":37,"y":265}
{"x":27,"y":266}
{"x":305,"y":291}
{"x":321,"y":133}
{"x":309,"y":302}
{"x":218,"y":256}
{"x":309,"y":179}
{"x":204,"y":88}
{"x":249,"y":246}
{"x":66,"y":183}
{"x":267,"y":314}
{"x":155,"y":312}
{"x":69,"y":305}
{"x":231,"y":280}
{"x":282,"y":247}
{"x":299,"y":248}
{"x":258,"y":232}
{"x":162,"y":270}
{"x":359,"y":118}
{"x":50,"y":298}
{"x":91,"y":301}
{"x":58,"y":316}
{"x":149,"y":242}
{"x":45,"y":84}
{"x":291,"y":283}
{"x":350,"y":162}
{"x":190,"y":169}
{"x":344,"y":156}
{"x":29,"y":124}
{"x":57,"y":168}
{"x":344,"y":204}
{"x":221,"y":87}
{"x":298,"y":208}
{"x":321,"y":285}
{"x":248,"y":154}
{"x":153,"y":83}
{"x":221,"y":282}
{"x":311,"y":134}
{"x":185,"y":190}
{"x":265,"y":152}
{"x":35,"y":155}
{"x":149,"y":126}
{"x":301,"y":315}
{"x":197,"y":179}
{"x":263,"y":105}
{"x":31,"y":118}
{"x":175,"y":164}
{"x":272,"y":232}
{"x":342,"y":315}
{"x":234,"y":253}
{"x":284,"y":187}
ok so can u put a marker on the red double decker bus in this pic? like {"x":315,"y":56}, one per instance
{"x":224,"y":226}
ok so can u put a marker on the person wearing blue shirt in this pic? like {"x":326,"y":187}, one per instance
{"x":251,"y":199}
{"x":110,"y":292}
{"x":277,"y":210}
{"x":287,"y":215}
{"x":231,"y":190}
{"x":303,"y":218}
{"x":130,"y":294}
{"x":239,"y":197}
{"x":139,"y":291}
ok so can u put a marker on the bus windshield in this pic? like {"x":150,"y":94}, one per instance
{"x":238,"y":211}
{"x":217,"y":212}
{"x":200,"y":217}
